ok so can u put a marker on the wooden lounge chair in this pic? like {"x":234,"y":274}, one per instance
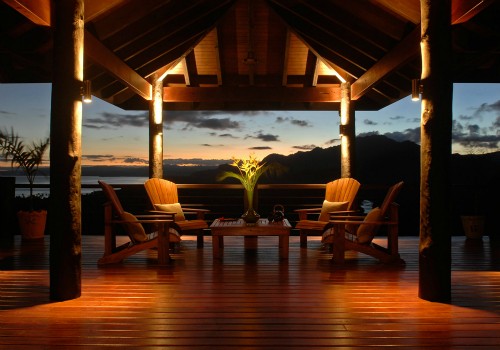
{"x":164,"y":198}
{"x":339,"y":196}
{"x":114,"y":215}
{"x":357,"y":232}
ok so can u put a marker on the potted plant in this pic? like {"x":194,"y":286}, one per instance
{"x":27,"y":158}
{"x":473,"y":222}
{"x":248,"y":173}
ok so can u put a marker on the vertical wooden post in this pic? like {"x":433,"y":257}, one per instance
{"x":65,"y":151}
{"x":156,"y":129}
{"x":436,"y":123}
{"x":347,"y":132}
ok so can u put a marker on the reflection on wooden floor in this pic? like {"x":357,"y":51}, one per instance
{"x":249,"y":300}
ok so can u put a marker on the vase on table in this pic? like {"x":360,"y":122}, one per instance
{"x":250,"y":216}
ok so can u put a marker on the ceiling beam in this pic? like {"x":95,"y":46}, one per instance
{"x":98,"y":53}
{"x":401,"y":54}
{"x":464,"y":10}
{"x":95,"y":8}
{"x":37,"y":11}
{"x":251,"y":94}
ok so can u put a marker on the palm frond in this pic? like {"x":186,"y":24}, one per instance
{"x":27,"y":158}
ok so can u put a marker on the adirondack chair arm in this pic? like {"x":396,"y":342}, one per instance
{"x":362,"y":222}
{"x":303,"y":213}
{"x":200,"y":213}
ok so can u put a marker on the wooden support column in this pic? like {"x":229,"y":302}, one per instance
{"x":436,"y":124}
{"x":156,"y":129}
{"x":65,"y":151}
{"x":347,"y":132}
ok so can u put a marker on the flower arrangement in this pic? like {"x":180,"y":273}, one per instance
{"x":248,"y":173}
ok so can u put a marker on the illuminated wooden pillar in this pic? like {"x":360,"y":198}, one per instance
{"x":347,"y":132}
{"x":65,"y":150}
{"x":156,"y":129}
{"x":436,"y":124}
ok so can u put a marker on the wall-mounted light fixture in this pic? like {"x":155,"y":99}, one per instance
{"x":87,"y":91}
{"x":158,"y":129}
{"x":342,"y":129}
{"x":416,"y":89}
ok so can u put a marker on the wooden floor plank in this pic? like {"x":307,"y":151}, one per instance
{"x":250,"y":299}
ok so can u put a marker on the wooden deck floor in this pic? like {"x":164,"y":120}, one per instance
{"x":249,"y":300}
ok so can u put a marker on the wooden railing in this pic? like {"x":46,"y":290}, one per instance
{"x":221,"y":199}
{"x":227,"y":200}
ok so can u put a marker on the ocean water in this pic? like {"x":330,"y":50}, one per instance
{"x":86,"y":180}
{"x":366,"y":205}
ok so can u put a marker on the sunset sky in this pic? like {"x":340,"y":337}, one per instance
{"x":114,"y":136}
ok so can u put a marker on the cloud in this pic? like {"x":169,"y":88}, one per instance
{"x":115,"y":121}
{"x":7,"y":113}
{"x":228,"y":135}
{"x":332,"y":142}
{"x":293,"y":121}
{"x":473,"y":136}
{"x":268,"y":137}
{"x":479,"y":112}
{"x":209,"y":145}
{"x":495,"y":126}
{"x":196,"y":119}
{"x":305,"y":147}
{"x":99,"y":157}
{"x":264,"y":137}
{"x":369,"y":122}
{"x":468,"y":135}
{"x":397,"y":117}
{"x":195,"y":161}
{"x":298,"y":122}
{"x":207,"y":120}
{"x":487,"y":108}
{"x":214,"y":124}
{"x":259,"y":148}
{"x":134,"y":160}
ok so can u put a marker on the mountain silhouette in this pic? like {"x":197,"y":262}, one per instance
{"x":379,"y":160}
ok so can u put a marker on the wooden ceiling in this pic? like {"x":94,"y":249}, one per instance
{"x":250,"y":54}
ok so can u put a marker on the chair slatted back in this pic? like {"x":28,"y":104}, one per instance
{"x":111,"y":196}
{"x":390,"y":197}
{"x":161,"y":191}
{"x":342,"y":190}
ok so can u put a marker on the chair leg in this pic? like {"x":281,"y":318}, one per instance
{"x":199,"y":239}
{"x":303,"y":239}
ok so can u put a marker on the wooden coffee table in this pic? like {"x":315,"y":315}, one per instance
{"x":250,"y":232}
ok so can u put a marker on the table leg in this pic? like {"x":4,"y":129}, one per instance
{"x":283,"y":246}
{"x":251,"y":242}
{"x":217,"y":246}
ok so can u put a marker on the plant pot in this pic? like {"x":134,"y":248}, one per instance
{"x":473,"y":226}
{"x":250,"y":216}
{"x":32,"y":223}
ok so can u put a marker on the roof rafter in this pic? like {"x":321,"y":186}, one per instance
{"x":95,"y":50}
